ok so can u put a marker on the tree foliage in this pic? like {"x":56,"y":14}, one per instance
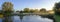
{"x":31,"y":11}
{"x":26,"y":10}
{"x":57,"y":8}
{"x":43,"y":10}
{"x":7,"y":6}
{"x":36,"y":11}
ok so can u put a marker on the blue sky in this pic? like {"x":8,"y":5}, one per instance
{"x":34,"y":4}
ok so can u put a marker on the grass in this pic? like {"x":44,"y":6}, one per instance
{"x":57,"y":18}
{"x":1,"y":16}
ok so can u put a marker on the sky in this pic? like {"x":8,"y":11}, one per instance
{"x":32,"y":4}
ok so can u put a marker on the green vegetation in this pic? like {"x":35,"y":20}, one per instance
{"x":26,"y":10}
{"x":57,"y":12}
{"x":7,"y":8}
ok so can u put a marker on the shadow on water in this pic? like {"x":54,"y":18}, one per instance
{"x":49,"y":17}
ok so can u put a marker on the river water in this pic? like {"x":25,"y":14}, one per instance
{"x":31,"y":18}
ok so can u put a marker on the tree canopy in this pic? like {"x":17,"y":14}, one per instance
{"x":43,"y":10}
{"x":7,"y":6}
{"x":26,"y":10}
{"x":57,"y":8}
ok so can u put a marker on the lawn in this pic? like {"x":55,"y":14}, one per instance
{"x":57,"y":18}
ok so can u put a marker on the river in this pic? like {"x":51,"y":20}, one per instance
{"x":31,"y":18}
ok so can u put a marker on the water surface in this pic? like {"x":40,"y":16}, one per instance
{"x":31,"y":18}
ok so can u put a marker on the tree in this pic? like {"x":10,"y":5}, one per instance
{"x":57,"y":8}
{"x":36,"y":11}
{"x":7,"y":8}
{"x":26,"y":10}
{"x":43,"y":10}
{"x":31,"y":11}
{"x":21,"y":11}
{"x":57,"y":12}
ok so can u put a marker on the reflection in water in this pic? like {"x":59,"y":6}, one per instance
{"x":16,"y":18}
{"x":35,"y":19}
{"x":0,"y":19}
{"x":31,"y":18}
